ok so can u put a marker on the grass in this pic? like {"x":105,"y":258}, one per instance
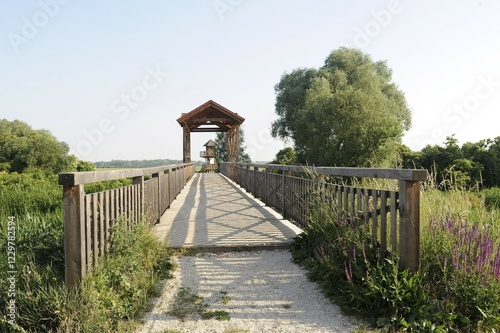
{"x":116,"y":293}
{"x":189,"y":305}
{"x":224,"y":297}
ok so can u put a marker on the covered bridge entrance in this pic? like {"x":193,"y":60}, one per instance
{"x":211,"y":117}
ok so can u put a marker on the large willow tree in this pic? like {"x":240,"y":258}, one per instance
{"x":346,"y":113}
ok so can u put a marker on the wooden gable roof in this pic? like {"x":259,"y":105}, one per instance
{"x":210,"y":117}
{"x":210,"y":143}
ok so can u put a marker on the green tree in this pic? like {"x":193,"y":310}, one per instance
{"x":23,"y":149}
{"x":285,"y":156}
{"x":221,"y":154}
{"x":347,"y":113}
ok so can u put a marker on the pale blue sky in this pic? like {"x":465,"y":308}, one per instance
{"x":110,"y":78}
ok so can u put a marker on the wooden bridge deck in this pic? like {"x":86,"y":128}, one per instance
{"x":213,"y":213}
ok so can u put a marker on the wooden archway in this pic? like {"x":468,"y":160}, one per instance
{"x":211,"y":117}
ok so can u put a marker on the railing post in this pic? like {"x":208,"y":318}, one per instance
{"x":75,"y":261}
{"x":409,"y":219}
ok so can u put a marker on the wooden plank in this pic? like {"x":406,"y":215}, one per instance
{"x":359,"y":201}
{"x":352,"y":205}
{"x":266,"y":187}
{"x":399,"y":174}
{"x":383,"y":221}
{"x":367,"y":208}
{"x":95,"y":228}
{"x":133,"y":210}
{"x":131,"y":213}
{"x":282,"y":208}
{"x":107,"y":213}
{"x":125,"y":211}
{"x":339,"y":200}
{"x":112,"y":207}
{"x":88,"y":231}
{"x":374,"y":215}
{"x":394,"y":235}
{"x":75,"y":178}
{"x":102,"y":221}
{"x":138,"y":202}
{"x":121,"y":203}
{"x":346,"y":203}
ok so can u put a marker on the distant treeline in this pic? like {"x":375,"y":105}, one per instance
{"x":470,"y":165}
{"x":137,"y":163}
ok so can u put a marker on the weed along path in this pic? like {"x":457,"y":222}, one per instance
{"x":259,"y":291}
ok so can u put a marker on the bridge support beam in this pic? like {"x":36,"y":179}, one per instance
{"x":233,"y":154}
{"x":186,"y":139}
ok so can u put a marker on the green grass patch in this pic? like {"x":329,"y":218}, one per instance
{"x":116,"y":293}
{"x":492,"y":198}
{"x":189,"y":305}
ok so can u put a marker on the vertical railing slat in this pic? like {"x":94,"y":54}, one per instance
{"x":394,"y":235}
{"x":102,"y":221}
{"x":383,"y":221}
{"x":95,"y":228}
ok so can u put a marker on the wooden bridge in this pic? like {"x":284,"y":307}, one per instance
{"x":262,"y":206}
{"x":214,"y":212}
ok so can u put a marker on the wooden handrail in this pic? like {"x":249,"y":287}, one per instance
{"x":87,"y":177}
{"x":88,"y":218}
{"x":290,"y":196}
{"x":382,"y":173}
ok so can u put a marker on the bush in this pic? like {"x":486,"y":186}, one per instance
{"x":492,"y":198}
{"x":116,"y":292}
{"x":112,"y":295}
{"x":32,"y":193}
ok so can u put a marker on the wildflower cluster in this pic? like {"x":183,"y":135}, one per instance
{"x":471,"y":248}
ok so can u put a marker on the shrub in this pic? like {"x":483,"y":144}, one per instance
{"x":116,"y":292}
{"x":492,"y":198}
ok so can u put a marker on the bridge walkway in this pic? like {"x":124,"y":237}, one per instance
{"x":213,"y":213}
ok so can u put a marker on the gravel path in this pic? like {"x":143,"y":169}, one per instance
{"x":262,"y":291}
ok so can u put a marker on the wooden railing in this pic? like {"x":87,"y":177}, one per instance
{"x":393,"y":217}
{"x":89,"y":218}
